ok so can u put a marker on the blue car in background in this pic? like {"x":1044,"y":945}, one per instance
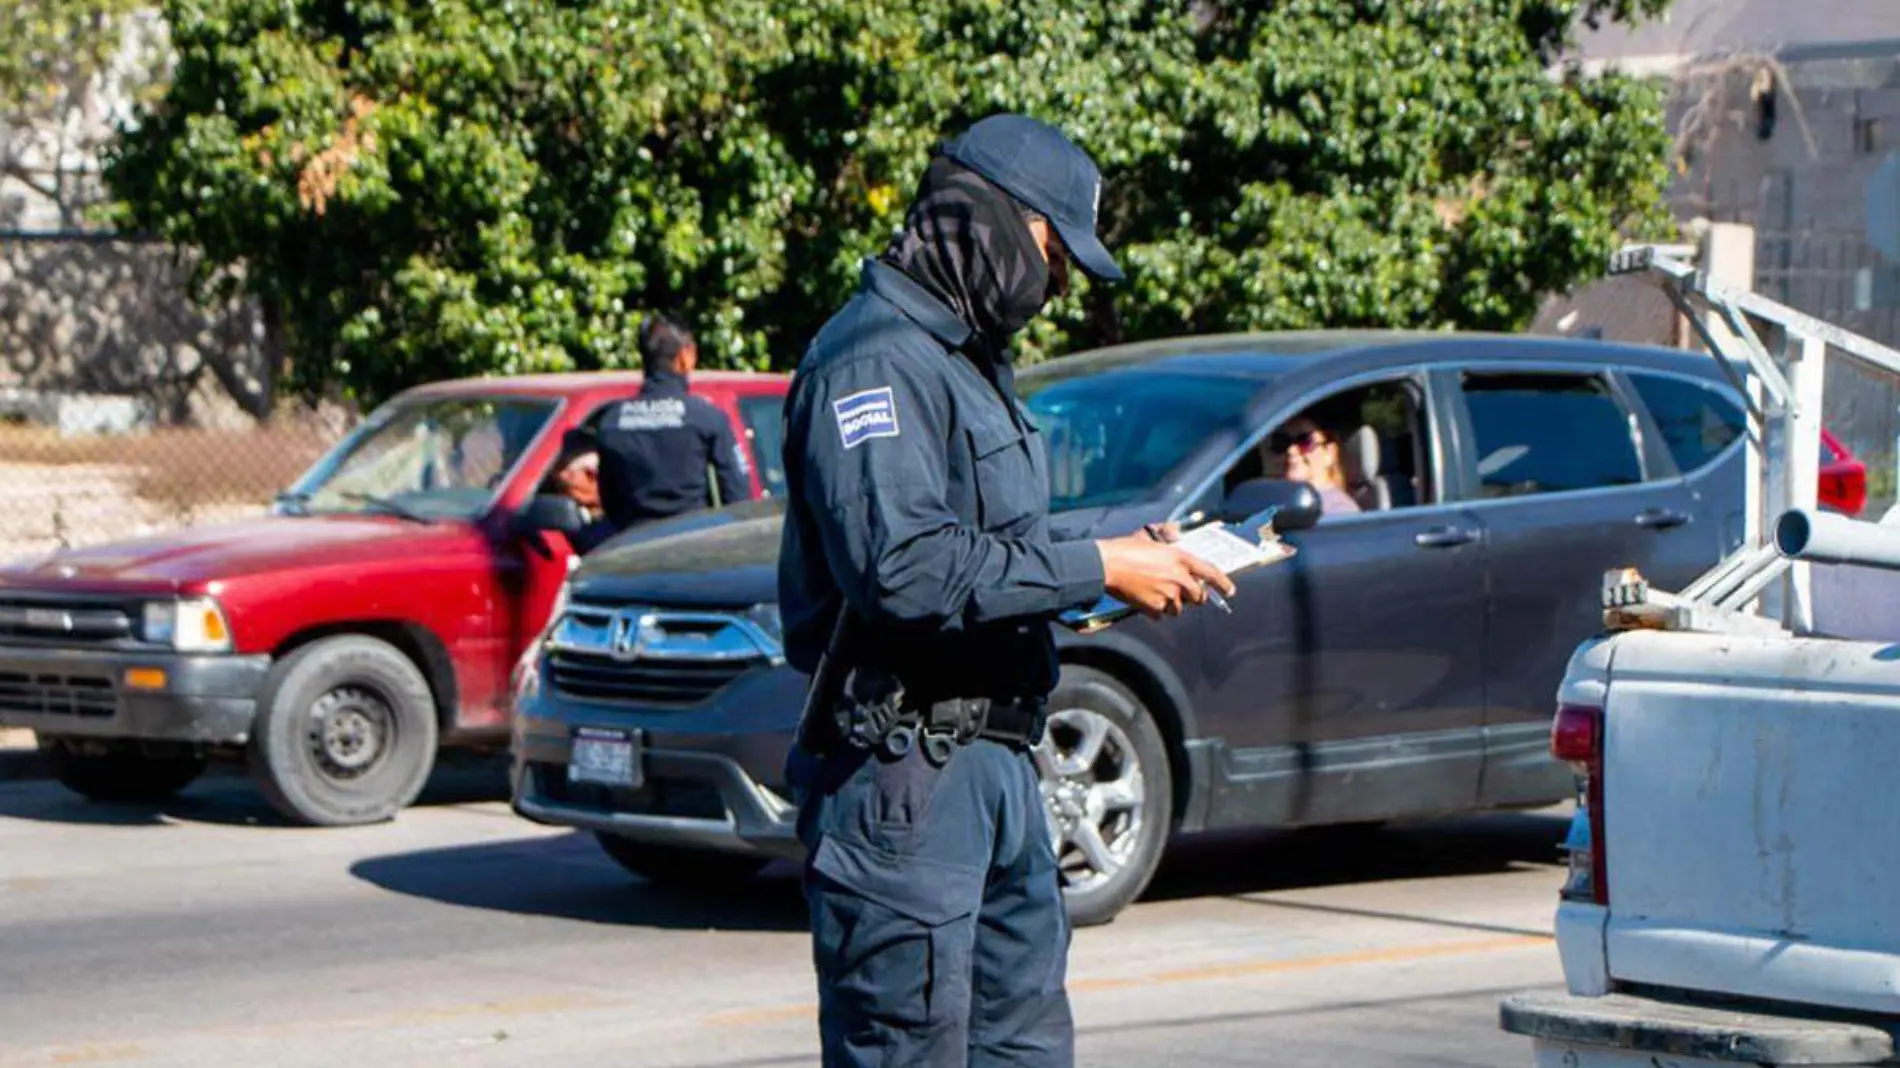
{"x":1402,"y":665}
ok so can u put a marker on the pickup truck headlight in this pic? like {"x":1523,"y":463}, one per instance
{"x":192,"y":625}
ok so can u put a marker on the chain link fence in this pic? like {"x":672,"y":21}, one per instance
{"x":60,"y":490}
{"x":126,"y":409}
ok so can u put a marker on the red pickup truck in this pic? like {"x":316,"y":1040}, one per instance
{"x":338,"y":643}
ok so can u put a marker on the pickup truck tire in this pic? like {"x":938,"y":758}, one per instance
{"x":120,"y":772}
{"x":346,"y":733}
{"x":1108,"y":793}
{"x":695,"y":869}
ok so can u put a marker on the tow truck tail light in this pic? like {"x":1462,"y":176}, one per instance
{"x":1576,"y":737}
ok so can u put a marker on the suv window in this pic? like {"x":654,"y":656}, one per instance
{"x":1549,"y":433}
{"x":1373,"y":439}
{"x":1697,"y":420}
{"x":764,"y":419}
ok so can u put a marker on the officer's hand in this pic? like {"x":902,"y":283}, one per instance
{"x":1157,"y":578}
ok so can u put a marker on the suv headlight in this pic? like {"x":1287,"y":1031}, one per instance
{"x":766,"y":617}
{"x":192,"y":625}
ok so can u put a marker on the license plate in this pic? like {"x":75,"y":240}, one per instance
{"x":605,"y":757}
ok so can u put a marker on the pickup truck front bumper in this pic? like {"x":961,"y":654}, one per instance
{"x":114,"y":693}
{"x":1626,"y":1030}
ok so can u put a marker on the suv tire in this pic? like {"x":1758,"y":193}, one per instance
{"x":346,"y":733}
{"x":696,"y":869}
{"x":121,"y":772}
{"x":1126,"y":792}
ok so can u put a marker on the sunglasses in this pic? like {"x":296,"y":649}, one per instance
{"x":1307,"y":442}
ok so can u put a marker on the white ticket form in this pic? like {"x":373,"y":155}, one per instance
{"x":1212,"y":542}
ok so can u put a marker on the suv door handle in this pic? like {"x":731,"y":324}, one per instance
{"x":1660,"y":518}
{"x":1445,"y":537}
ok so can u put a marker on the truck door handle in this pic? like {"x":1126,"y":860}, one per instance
{"x":1660,"y":519}
{"x":1445,"y":537}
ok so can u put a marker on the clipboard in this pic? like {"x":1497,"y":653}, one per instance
{"x":1213,"y":542}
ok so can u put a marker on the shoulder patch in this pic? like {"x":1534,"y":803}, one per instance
{"x":867,"y":414}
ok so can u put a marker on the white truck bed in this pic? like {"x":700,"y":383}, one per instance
{"x":1745,"y":852}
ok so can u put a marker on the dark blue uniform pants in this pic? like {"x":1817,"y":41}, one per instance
{"x":938,"y":927}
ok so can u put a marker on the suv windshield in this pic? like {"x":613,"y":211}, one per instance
{"x":1114,"y":438}
{"x":441,"y":458}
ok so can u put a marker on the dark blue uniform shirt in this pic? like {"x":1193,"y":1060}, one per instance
{"x":918,"y":492}
{"x":656,"y":450}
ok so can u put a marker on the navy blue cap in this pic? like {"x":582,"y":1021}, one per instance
{"x":1036,"y":164}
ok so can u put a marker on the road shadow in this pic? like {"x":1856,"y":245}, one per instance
{"x":568,"y":877}
{"x":225,"y":796}
{"x":1231,"y":865}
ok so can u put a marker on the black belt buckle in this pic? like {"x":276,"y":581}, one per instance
{"x":975,"y":715}
{"x":1018,"y":722}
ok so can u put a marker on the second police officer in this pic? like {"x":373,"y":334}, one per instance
{"x":918,"y":580}
{"x":666,"y":451}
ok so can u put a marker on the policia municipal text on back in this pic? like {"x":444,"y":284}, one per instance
{"x":918,"y":580}
{"x":667,"y":451}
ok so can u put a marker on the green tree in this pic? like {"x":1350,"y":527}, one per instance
{"x":423,"y":188}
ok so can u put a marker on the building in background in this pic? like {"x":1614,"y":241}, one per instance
{"x":1785,"y":116}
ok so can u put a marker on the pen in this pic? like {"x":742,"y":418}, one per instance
{"x":1212,"y":593}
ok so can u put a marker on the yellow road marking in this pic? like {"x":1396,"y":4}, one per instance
{"x":100,"y":1053}
{"x":1238,"y":969}
{"x":96,"y":1054}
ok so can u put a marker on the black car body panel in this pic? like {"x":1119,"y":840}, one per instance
{"x":1402,"y":665}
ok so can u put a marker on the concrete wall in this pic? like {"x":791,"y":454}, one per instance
{"x":90,"y":316}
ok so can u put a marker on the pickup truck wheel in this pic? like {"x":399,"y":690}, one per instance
{"x":121,"y":772}
{"x":346,"y":733}
{"x":1107,"y":791}
{"x":698,"y":869}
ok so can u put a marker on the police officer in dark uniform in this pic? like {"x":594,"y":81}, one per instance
{"x":918,"y":580}
{"x":656,"y":450}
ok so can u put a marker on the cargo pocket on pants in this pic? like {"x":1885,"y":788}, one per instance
{"x":892,"y":937}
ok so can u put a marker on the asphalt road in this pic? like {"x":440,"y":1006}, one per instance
{"x":204,"y":934}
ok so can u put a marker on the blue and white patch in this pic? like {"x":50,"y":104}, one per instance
{"x":868,"y":414}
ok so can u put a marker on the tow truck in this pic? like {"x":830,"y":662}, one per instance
{"x":1733,"y":893}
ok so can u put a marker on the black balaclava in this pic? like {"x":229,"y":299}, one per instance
{"x":967,"y":242}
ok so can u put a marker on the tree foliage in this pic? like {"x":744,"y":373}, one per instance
{"x":425,"y":188}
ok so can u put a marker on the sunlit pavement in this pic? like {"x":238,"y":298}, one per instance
{"x":206,"y":934}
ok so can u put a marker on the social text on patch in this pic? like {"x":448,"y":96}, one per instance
{"x":868,"y":414}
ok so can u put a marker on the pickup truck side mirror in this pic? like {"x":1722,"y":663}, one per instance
{"x":551,"y":511}
{"x":1297,"y":504}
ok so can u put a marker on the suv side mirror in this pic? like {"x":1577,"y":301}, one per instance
{"x":1297,"y":504}
{"x":551,"y":511}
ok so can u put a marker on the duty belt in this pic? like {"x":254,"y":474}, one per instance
{"x":1017,"y":722}
{"x":941,"y":726}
